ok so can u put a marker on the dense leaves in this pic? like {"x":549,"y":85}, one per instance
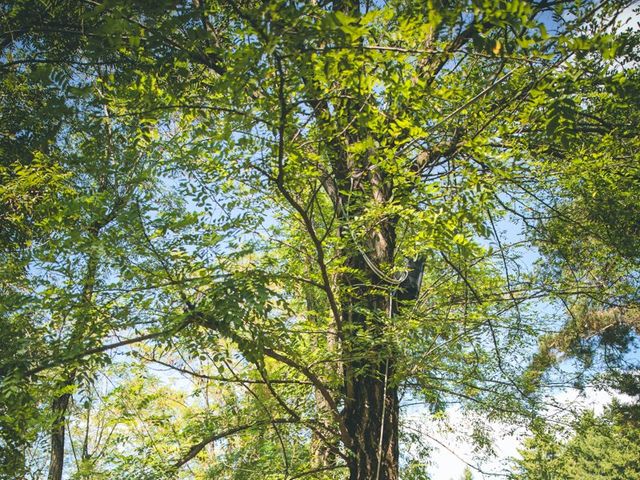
{"x":597,"y":447}
{"x":308,"y":216}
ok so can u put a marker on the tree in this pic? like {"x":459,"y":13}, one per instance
{"x":69,"y":180}
{"x":597,"y":447}
{"x":333,"y":179}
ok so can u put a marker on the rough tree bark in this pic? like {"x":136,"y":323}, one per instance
{"x":371,"y":397}
{"x":59,"y":408}
{"x":371,"y":404}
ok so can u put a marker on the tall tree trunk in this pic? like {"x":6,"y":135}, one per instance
{"x":371,"y":403}
{"x":371,"y":396}
{"x":371,"y":400}
{"x":372,"y":407}
{"x":59,"y":408}
{"x":372,"y":420}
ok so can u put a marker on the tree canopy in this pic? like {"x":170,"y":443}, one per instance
{"x":598,"y":447}
{"x":240,"y":239}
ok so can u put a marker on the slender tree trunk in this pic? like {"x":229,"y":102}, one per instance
{"x":60,"y":405}
{"x":59,"y":408}
{"x":321,"y":452}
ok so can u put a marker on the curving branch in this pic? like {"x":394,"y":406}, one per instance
{"x":197,"y":448}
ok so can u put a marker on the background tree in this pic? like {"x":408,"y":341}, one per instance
{"x":595,"y":447}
